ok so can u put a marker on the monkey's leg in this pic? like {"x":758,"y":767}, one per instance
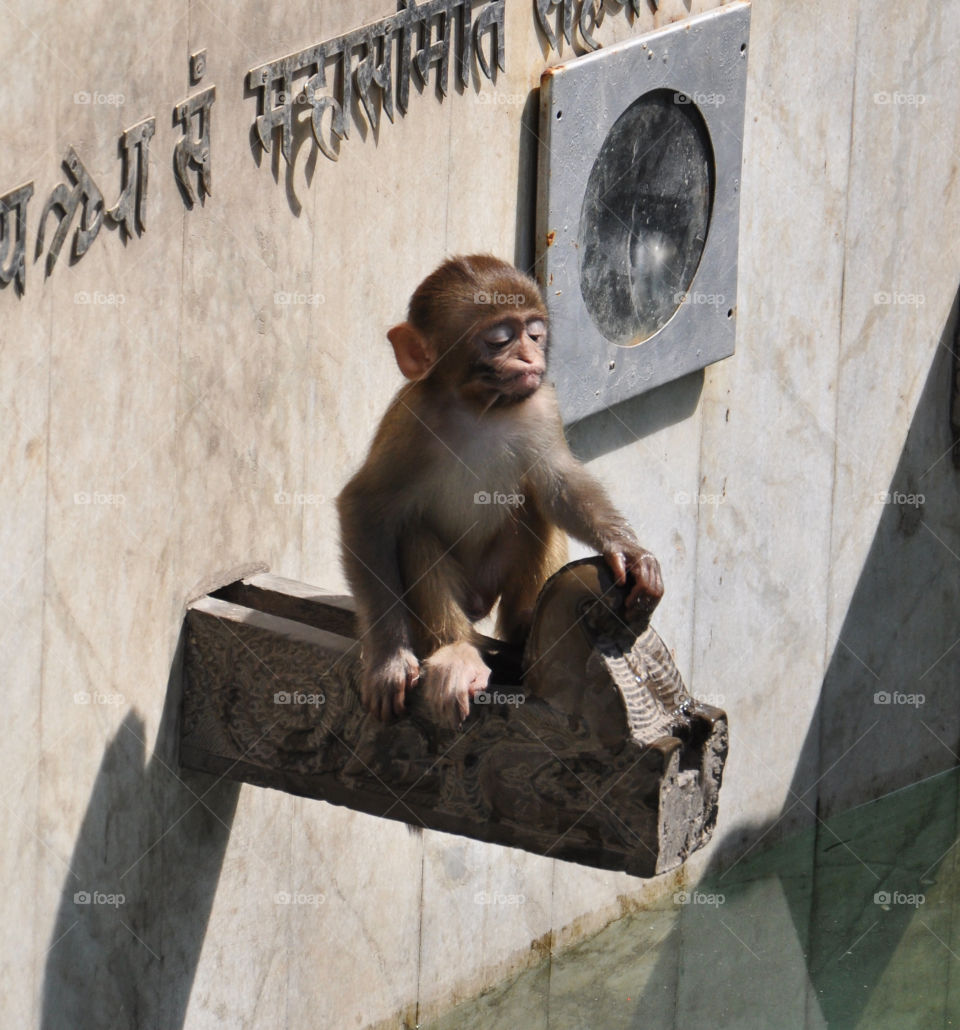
{"x":370,"y":561}
{"x":436,"y":587}
{"x":532,"y":555}
{"x":453,"y":669}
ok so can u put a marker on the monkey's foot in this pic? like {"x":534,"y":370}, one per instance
{"x":451,"y":676}
{"x":384,"y":684}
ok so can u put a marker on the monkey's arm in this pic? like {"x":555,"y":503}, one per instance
{"x":579,"y":505}
{"x":370,"y":542}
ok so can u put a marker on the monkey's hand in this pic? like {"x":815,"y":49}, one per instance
{"x":451,"y":676}
{"x":385,"y":682}
{"x":644,"y":570}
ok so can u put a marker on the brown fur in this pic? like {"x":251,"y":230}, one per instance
{"x":424,"y":557}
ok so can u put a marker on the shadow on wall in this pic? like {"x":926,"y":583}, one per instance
{"x":887,"y":718}
{"x":528,"y":142}
{"x":636,"y":417}
{"x":140,"y":885}
{"x":888,"y":714}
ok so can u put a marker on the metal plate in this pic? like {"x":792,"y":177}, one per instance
{"x":638,"y":208}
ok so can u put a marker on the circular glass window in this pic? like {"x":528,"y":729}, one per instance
{"x":645,"y":214}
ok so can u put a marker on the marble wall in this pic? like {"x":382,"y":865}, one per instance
{"x":163,"y":401}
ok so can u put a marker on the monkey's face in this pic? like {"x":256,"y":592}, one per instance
{"x":508,"y":357}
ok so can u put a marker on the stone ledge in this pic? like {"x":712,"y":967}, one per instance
{"x":594,"y":754}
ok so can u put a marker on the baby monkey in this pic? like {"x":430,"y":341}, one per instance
{"x":467,"y":492}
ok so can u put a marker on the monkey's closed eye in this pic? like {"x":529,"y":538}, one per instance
{"x":498,"y":336}
{"x":536,"y":329}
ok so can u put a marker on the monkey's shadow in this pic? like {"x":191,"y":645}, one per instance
{"x":140,"y":884}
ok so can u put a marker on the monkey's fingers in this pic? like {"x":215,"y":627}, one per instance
{"x":617,"y":566}
{"x":384,"y":707}
{"x":382,"y":699}
{"x":376,"y":702}
{"x":448,"y":702}
{"x":647,"y":581}
{"x":400,"y":694}
{"x":461,"y":709}
{"x":456,"y":693}
{"x":397,"y":699}
{"x":460,"y":693}
{"x":376,"y":699}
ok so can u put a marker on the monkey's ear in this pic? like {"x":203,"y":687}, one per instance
{"x":414,"y":354}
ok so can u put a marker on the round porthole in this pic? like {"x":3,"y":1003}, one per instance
{"x":645,"y":216}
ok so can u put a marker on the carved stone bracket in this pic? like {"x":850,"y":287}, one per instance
{"x":587,"y":747}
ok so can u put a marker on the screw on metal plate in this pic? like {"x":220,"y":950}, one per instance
{"x":198,"y":66}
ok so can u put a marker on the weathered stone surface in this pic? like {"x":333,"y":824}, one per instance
{"x":595,"y":754}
